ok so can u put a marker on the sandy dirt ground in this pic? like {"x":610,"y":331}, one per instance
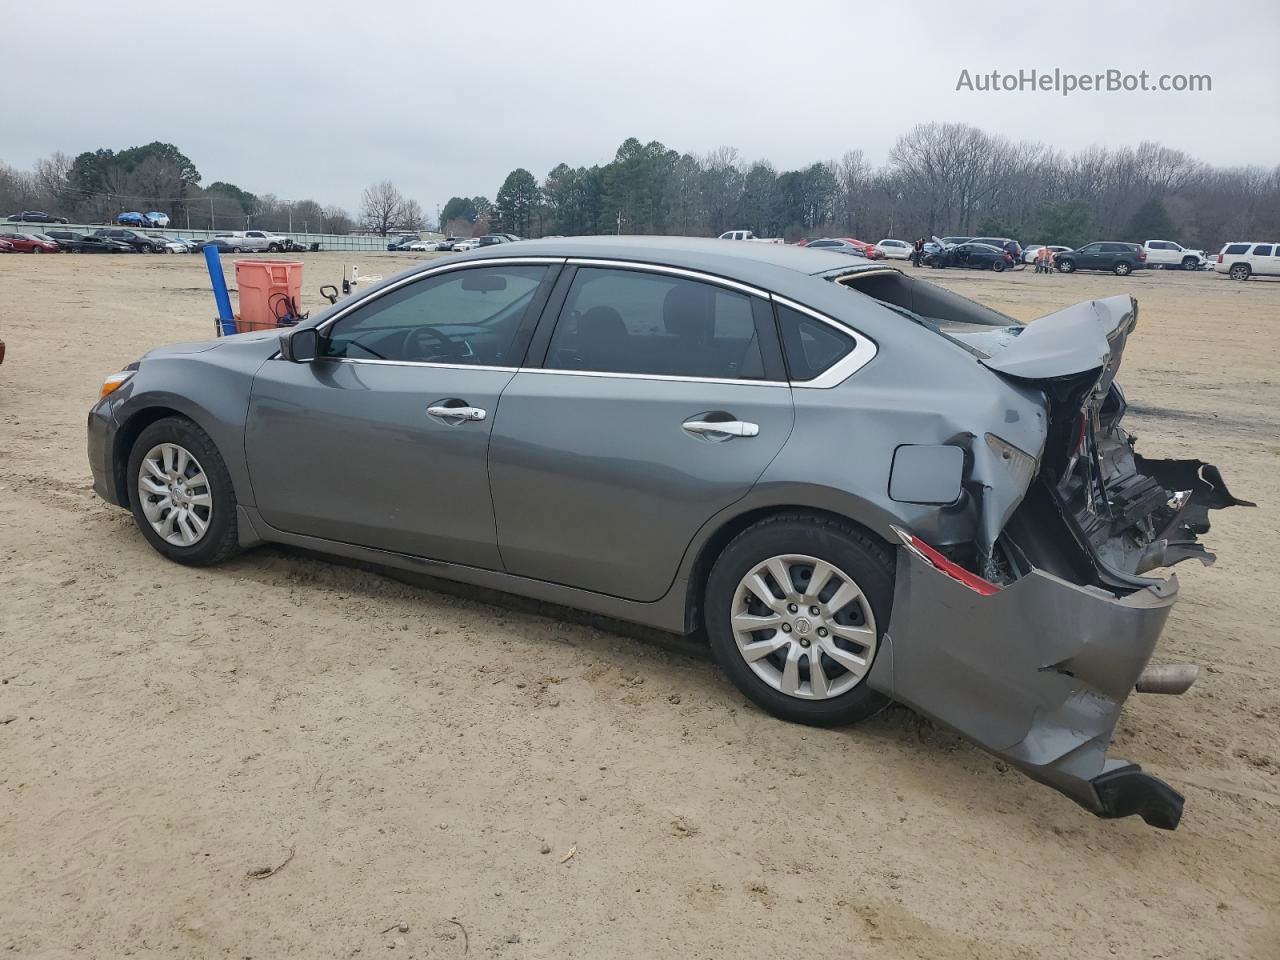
{"x":510,"y":782}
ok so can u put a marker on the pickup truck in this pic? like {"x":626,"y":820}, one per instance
{"x":748,"y":235}
{"x":1167,"y":255}
{"x":252,"y":241}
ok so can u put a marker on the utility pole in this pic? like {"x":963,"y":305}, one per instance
{"x":619,"y":223}
{"x":291,"y":216}
{"x":211,"y":214}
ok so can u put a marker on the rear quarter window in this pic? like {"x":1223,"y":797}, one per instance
{"x":811,"y":346}
{"x":1236,"y":248}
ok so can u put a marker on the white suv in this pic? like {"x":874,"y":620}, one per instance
{"x":895,"y":249}
{"x":1240,"y":261}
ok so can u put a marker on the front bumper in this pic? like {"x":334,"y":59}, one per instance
{"x":1036,"y":674}
{"x":101,"y":444}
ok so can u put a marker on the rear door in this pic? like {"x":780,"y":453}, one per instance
{"x":657,"y":399}
{"x":383,"y":440}
{"x":1262,"y":259}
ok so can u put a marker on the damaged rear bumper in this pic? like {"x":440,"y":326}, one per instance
{"x":1036,"y":674}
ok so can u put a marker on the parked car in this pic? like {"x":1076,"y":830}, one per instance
{"x":422,"y":246}
{"x":1004,"y":243}
{"x":132,"y":219}
{"x":402,"y":242}
{"x":450,"y":243}
{"x":173,"y":246}
{"x":29,"y":243}
{"x":976,"y":256}
{"x":35,"y":216}
{"x":1240,"y":261}
{"x":846,"y":245}
{"x":725,"y":494}
{"x":155,"y":218}
{"x":895,"y":249}
{"x":140,"y":242}
{"x":1118,"y":258}
{"x":72,"y":242}
{"x":749,"y":236}
{"x":512,"y":237}
{"x":1029,"y":253}
{"x":1167,"y":255}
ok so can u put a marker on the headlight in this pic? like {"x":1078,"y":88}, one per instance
{"x":114,"y":383}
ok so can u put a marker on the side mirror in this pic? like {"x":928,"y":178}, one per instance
{"x":300,"y":346}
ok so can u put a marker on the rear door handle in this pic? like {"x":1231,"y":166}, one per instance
{"x":456,"y":413}
{"x":728,"y":428}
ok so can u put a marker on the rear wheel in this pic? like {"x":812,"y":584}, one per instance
{"x":1122,"y":269}
{"x":796,"y":607}
{"x":181,"y":493}
{"x":1240,"y":271}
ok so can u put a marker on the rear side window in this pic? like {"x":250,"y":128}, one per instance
{"x":1262,"y":250}
{"x":629,"y":321}
{"x":1237,"y":248}
{"x":811,"y":346}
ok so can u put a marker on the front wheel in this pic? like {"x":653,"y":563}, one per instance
{"x":796,"y":607}
{"x":273,"y":248}
{"x":1067,"y":266}
{"x":998,"y":266}
{"x":1123,"y":269}
{"x":181,"y":493}
{"x":1190,"y":263}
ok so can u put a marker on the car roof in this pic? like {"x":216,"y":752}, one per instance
{"x":773,"y":266}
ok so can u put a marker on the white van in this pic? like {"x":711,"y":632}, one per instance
{"x":1240,"y":261}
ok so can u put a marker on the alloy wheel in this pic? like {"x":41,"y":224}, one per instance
{"x":804,"y":627}
{"x":175,"y":494}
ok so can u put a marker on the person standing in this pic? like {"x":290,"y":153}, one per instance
{"x":917,"y":251}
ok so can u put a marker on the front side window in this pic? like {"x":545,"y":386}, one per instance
{"x":811,"y":346}
{"x":465,"y":316}
{"x":629,"y":321}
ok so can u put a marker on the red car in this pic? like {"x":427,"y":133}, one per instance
{"x":6,"y":247}
{"x":25,"y":243}
{"x":859,"y":247}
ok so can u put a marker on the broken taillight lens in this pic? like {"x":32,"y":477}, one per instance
{"x":940,"y":563}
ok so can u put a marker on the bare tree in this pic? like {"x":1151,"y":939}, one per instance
{"x":381,"y":208}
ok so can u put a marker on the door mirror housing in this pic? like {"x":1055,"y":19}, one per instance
{"x":300,"y":346}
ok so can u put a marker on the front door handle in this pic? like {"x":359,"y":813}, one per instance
{"x":456,"y":413}
{"x":728,"y":428}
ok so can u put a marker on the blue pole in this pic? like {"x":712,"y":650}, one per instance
{"x":220,"y":295}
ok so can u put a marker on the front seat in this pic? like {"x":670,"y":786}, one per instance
{"x":688,"y":311}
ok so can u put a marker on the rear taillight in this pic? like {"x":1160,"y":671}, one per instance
{"x":1142,"y":256}
{"x":940,"y":563}
{"x":1219,"y":258}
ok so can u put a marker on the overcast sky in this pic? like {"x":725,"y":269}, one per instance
{"x":318,"y":99}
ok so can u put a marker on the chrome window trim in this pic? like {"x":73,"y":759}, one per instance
{"x":653,"y":376}
{"x":416,"y":363}
{"x":674,"y":271}
{"x":432,"y":271}
{"x":863,"y":352}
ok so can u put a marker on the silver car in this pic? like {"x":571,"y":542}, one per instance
{"x":861,"y":486}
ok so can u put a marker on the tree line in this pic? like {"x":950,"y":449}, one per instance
{"x":939,"y":179}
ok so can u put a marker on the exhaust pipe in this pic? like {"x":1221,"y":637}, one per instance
{"x":1173,"y":678}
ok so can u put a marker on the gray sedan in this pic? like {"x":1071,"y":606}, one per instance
{"x":862,"y":487}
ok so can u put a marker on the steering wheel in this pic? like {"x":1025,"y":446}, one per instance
{"x":416,"y":347}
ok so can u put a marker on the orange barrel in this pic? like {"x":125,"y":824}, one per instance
{"x":259,"y":282}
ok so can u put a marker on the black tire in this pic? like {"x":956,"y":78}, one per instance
{"x":273,"y":248}
{"x":1190,"y":263}
{"x":1240,"y":271}
{"x":998,"y":266}
{"x":1123,"y":268}
{"x":235,"y":249}
{"x":220,"y":540}
{"x":1067,"y":266}
{"x":867,"y":560}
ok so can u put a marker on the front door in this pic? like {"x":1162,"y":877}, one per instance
{"x":660,"y":402}
{"x":383,"y":440}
